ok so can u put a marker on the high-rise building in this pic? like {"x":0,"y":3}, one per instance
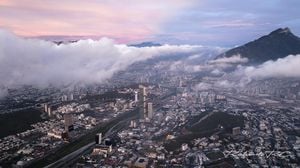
{"x":132,"y":124}
{"x":142,"y":102}
{"x":211,"y":98}
{"x":71,"y":97}
{"x":150,"y":110}
{"x":236,"y":131}
{"x":64,"y":98}
{"x":136,"y":96}
{"x":46,"y":107}
{"x":68,"y":122}
{"x":49,"y":111}
{"x":98,"y":138}
{"x":180,"y":83}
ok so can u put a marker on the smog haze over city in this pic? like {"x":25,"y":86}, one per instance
{"x":146,"y":84}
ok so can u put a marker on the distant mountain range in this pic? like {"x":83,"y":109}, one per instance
{"x":277,"y":44}
{"x":146,"y":44}
{"x":64,"y":42}
{"x":139,"y":45}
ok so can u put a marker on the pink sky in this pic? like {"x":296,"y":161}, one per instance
{"x":123,"y":20}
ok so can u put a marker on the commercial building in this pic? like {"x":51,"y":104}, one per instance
{"x":149,"y":110}
{"x":98,"y":138}
{"x":236,"y":131}
{"x":142,"y":102}
{"x":68,"y":118}
{"x":136,"y":96}
{"x":50,"y":114}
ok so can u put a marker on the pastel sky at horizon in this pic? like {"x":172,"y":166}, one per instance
{"x":206,"y":22}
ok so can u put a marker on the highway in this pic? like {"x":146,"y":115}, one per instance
{"x":69,"y":159}
{"x":203,"y":118}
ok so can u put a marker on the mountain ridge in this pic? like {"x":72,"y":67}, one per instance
{"x":277,"y":44}
{"x":145,"y":44}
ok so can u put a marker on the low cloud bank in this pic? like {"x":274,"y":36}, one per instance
{"x":284,"y":67}
{"x":287,"y":67}
{"x":43,"y":63}
{"x":236,"y":59}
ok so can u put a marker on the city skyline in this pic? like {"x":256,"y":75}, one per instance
{"x":140,"y":83}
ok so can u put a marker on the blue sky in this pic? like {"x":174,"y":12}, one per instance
{"x":230,"y":23}
{"x":207,"y":22}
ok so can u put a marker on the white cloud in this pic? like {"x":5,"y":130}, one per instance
{"x":216,"y":72}
{"x":236,"y":59}
{"x":40,"y":63}
{"x":287,"y":67}
{"x":216,"y":66}
{"x":284,"y":67}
